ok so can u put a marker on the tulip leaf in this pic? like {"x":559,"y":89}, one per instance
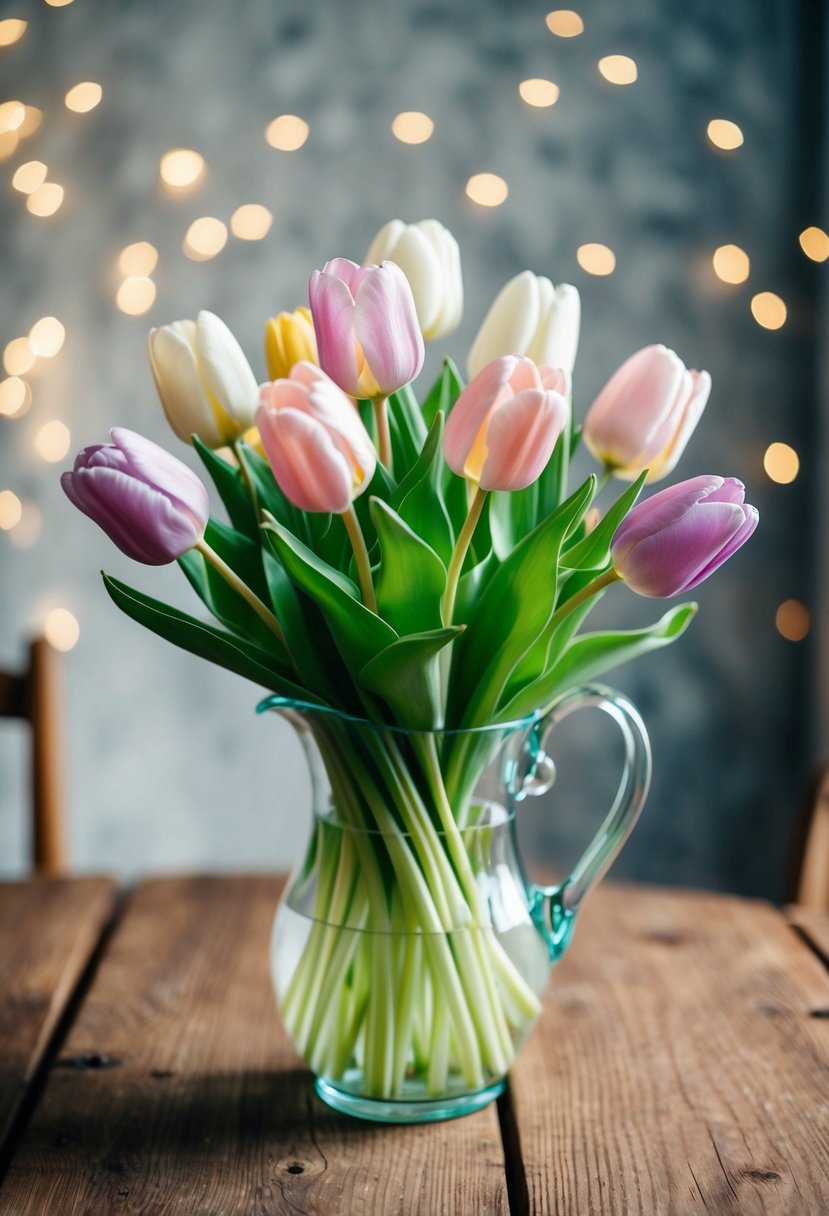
{"x":593,"y":654}
{"x":205,"y":640}
{"x":408,"y":429}
{"x":592,"y":552}
{"x":551,"y":487}
{"x":411,"y":578}
{"x":512,"y":516}
{"x":407,"y":677}
{"x":443,"y":394}
{"x":472,"y":585}
{"x":231,"y":488}
{"x":512,"y":613}
{"x":358,"y":632}
{"x":418,"y":499}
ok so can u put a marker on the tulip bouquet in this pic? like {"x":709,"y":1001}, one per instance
{"x":420,"y":566}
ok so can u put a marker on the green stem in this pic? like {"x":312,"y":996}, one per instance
{"x":381,"y":420}
{"x":586,"y":593}
{"x":358,"y":544}
{"x":459,"y":555}
{"x":231,"y":577}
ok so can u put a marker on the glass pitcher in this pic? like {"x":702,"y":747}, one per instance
{"x":410,"y":951}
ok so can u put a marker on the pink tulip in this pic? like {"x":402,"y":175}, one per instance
{"x":645,"y":414}
{"x":365,"y":321}
{"x":674,"y":540}
{"x":319,"y":450}
{"x":150,"y":504}
{"x":504,"y":426}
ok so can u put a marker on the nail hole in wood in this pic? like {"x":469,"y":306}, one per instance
{"x":89,"y":1060}
{"x":761,"y":1175}
{"x":296,"y":1168}
{"x":819,"y":1013}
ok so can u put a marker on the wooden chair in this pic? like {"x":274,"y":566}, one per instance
{"x":810,"y":888}
{"x":34,"y":695}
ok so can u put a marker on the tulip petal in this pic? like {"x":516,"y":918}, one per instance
{"x":419,"y":261}
{"x":384,"y":242}
{"x":345,"y":271}
{"x":332,"y":308}
{"x":385,"y":325}
{"x":157,"y":467}
{"x":661,"y":510}
{"x":673,"y":558}
{"x":632,"y":406}
{"x":557,"y":337}
{"x":226,"y":373}
{"x":509,"y":326}
{"x":186,"y":405}
{"x":309,"y":469}
{"x":521,"y":436}
{"x":472,"y":408}
{"x":449,"y":315}
{"x":752,"y":518}
{"x":731,"y":490}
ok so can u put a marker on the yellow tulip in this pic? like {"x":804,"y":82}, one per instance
{"x":289,"y":339}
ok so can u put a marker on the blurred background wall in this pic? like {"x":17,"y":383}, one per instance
{"x":168,"y":768}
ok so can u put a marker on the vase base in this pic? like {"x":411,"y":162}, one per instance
{"x":427,"y":1110}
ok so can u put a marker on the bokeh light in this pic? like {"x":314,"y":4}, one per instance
{"x":31,"y":121}
{"x":58,"y":3}
{"x":11,"y":510}
{"x":83,"y":97}
{"x":15,"y":397}
{"x":792,"y":620}
{"x":595,"y":258}
{"x":724,"y":134}
{"x":18,"y":357}
{"x":12,"y":115}
{"x":412,"y":127}
{"x":140,"y":259}
{"x":815,"y":244}
{"x":539,"y":92}
{"x":564,"y":23}
{"x":731,"y":264}
{"x":45,"y":200}
{"x":181,"y":169}
{"x":768,"y":310}
{"x":618,"y":69}
{"x":205,"y":238}
{"x":52,"y":441}
{"x":781,"y":462}
{"x":26,"y":532}
{"x":12,"y":30}
{"x":47,"y":337}
{"x":8,"y":144}
{"x":29,"y":176}
{"x":136,"y":295}
{"x":287,"y":132}
{"x":487,"y":189}
{"x":251,"y":222}
{"x":61,"y":629}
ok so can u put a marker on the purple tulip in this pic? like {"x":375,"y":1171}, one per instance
{"x":674,"y":540}
{"x":147,"y":501}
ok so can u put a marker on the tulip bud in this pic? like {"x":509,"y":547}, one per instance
{"x":289,"y":339}
{"x":204,"y":381}
{"x":319,"y":450}
{"x":428,"y":255}
{"x":150,"y":504}
{"x":674,"y":540}
{"x":366,"y":325}
{"x":645,"y":414}
{"x":501,"y":431}
{"x":530,"y":317}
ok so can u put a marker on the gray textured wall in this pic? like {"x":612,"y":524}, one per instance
{"x":168,"y":767}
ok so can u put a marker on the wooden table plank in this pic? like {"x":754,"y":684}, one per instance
{"x":177,"y":1090}
{"x":814,"y":926}
{"x":49,"y":929}
{"x":676,"y":1067}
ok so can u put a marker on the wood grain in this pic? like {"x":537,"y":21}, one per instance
{"x":814,"y":926}
{"x":48,"y":932}
{"x":177,"y":1090}
{"x":676,"y":1068}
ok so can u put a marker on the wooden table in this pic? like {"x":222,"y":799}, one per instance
{"x":680,"y":1066}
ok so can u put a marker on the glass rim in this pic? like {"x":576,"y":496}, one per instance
{"x":275,"y":701}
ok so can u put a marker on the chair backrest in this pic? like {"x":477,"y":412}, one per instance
{"x":812,"y":887}
{"x":34,"y":694}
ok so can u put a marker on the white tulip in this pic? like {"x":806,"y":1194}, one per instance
{"x":204,"y":381}
{"x":530,"y":317}
{"x":428,"y":255}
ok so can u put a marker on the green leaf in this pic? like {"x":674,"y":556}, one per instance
{"x":359,"y":633}
{"x":407,"y":677}
{"x":472,"y":585}
{"x":418,"y":499}
{"x":202,"y":639}
{"x":593,"y":551}
{"x":512,"y":613}
{"x":512,"y":516}
{"x":443,"y":394}
{"x":408,"y":429}
{"x":411,"y":578}
{"x":551,"y":487}
{"x":231,"y":488}
{"x":593,"y":654}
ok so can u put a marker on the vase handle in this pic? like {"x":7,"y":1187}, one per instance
{"x":554,"y":907}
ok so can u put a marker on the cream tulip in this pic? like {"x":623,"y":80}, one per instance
{"x":204,"y":381}
{"x":428,"y":255}
{"x":530,"y":317}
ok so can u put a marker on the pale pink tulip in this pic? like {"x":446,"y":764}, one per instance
{"x":645,"y":414}
{"x":365,"y":321}
{"x":504,"y":426}
{"x":319,"y":450}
